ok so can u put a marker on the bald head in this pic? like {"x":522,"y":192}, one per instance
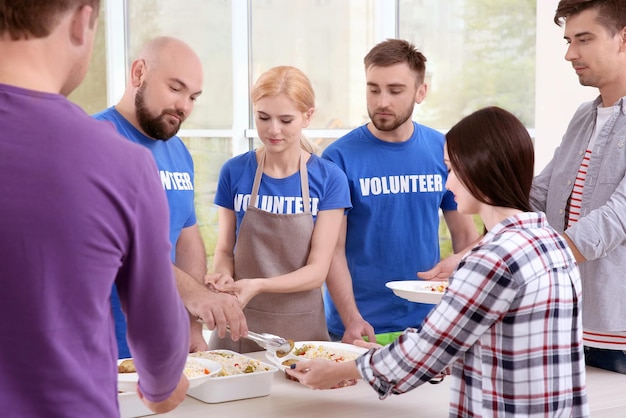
{"x":172,"y":55}
{"x":165,"y":80}
{"x":162,"y":47}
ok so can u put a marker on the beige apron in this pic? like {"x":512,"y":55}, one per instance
{"x":268,"y":245}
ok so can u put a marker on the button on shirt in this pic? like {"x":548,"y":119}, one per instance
{"x":509,"y":324}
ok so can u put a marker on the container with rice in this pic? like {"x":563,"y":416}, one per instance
{"x":241,"y":377}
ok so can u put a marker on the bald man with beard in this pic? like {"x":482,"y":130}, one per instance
{"x":164,"y":82}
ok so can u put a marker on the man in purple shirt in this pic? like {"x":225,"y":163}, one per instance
{"x":81,"y":209}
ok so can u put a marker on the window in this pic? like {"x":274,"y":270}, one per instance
{"x":209,"y":154}
{"x":92,"y":93}
{"x":206,"y":26}
{"x":327,"y":41}
{"x":479,"y":52}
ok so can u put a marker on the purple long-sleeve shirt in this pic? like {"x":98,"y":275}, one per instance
{"x":80,"y":208}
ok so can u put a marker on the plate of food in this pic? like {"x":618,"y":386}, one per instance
{"x":419,"y":290}
{"x":197,"y":371}
{"x":308,"y":350}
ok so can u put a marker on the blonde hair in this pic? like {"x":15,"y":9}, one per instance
{"x":292,"y":82}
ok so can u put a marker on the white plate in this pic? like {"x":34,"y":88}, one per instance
{"x":417,"y":290}
{"x":127,"y":382}
{"x":335,"y":347}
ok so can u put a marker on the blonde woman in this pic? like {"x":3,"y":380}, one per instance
{"x":280,"y":211}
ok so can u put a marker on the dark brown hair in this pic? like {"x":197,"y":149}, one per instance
{"x":395,"y":51}
{"x":611,"y":13}
{"x":25,"y":19}
{"x":492,"y":155}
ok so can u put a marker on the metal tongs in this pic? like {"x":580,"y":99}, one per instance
{"x":272,"y":343}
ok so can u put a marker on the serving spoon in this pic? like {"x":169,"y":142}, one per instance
{"x":272,"y":343}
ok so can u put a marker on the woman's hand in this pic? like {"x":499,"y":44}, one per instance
{"x":323,"y":374}
{"x":365,"y":344}
{"x":443,"y":269}
{"x":244,"y":290}
{"x":217,"y":280}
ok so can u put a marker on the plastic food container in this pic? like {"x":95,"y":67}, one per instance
{"x":127,"y":382}
{"x":131,"y":406}
{"x":234,"y":387}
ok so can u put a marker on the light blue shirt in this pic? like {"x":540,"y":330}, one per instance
{"x":600,"y":233}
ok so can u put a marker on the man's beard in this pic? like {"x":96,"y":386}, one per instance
{"x":389,"y":125}
{"x":155,"y":127}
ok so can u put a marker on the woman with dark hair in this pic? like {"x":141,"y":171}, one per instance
{"x":492,"y":155}
{"x":509,"y":324}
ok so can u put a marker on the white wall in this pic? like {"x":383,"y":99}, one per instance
{"x":558,"y":92}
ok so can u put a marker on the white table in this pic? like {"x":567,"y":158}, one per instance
{"x":606,"y":390}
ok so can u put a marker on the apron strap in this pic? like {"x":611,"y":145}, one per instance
{"x":304,"y":183}
{"x":257,"y":180}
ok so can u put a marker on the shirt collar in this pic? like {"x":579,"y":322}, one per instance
{"x":621,"y":103}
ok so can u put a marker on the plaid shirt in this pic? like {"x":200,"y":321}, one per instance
{"x":510,"y":326}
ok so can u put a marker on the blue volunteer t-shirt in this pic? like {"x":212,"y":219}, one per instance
{"x":397,"y":190}
{"x":328,"y":188}
{"x":176,"y":173}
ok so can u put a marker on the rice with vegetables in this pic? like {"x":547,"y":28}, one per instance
{"x":192,"y":368}
{"x":312,"y":351}
{"x":195,"y":369}
{"x":232,"y":363}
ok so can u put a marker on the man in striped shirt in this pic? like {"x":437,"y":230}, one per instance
{"x":583,"y":189}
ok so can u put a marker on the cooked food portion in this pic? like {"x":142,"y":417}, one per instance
{"x":312,"y":351}
{"x":232,"y":363}
{"x":439,"y":287}
{"x":192,"y":368}
{"x":126,"y":366}
{"x":195,"y":369}
{"x":289,"y":362}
